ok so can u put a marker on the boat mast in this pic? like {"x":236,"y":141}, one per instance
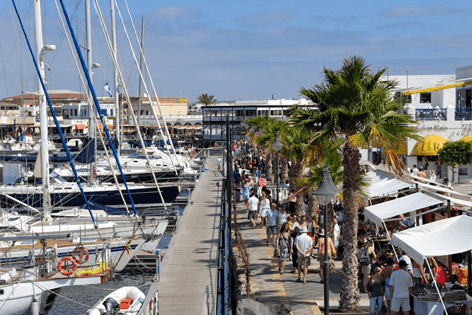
{"x":141,"y":65}
{"x":40,"y":50}
{"x":92,"y":128}
{"x":115,"y":79}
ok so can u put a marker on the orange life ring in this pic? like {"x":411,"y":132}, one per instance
{"x":193,"y":153}
{"x":83,"y":255}
{"x":65,"y":270}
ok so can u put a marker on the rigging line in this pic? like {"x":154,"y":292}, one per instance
{"x":97,"y":105}
{"x":62,"y":296}
{"x":138,"y":129}
{"x":143,"y":80}
{"x":151,"y":81}
{"x":46,"y":94}
{"x":125,"y":90}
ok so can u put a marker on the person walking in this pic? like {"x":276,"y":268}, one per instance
{"x":400,"y":289}
{"x":385,"y":278}
{"x":366,"y":258}
{"x":282,"y":215}
{"x":321,"y":251}
{"x":304,"y":246}
{"x":246,"y":187}
{"x":375,"y":292}
{"x":272,"y":224}
{"x":282,"y":251}
{"x":265,"y":207}
{"x":252,"y":209}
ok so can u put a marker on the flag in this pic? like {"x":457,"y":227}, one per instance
{"x":107,"y":88}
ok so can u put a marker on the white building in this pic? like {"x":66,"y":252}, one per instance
{"x":442,"y":106}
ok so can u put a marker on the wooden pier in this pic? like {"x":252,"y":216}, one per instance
{"x":189,"y":268}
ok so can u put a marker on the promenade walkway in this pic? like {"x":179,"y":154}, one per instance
{"x":190,"y":262}
{"x":271,"y":288}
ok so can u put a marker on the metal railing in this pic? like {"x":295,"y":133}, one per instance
{"x":463,"y":114}
{"x":431,"y":114}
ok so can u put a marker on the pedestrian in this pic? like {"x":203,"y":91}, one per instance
{"x":336,"y":234}
{"x":414,"y":170}
{"x":302,"y":222}
{"x":220,"y":162}
{"x":400,"y":289}
{"x":252,"y":209}
{"x":293,"y":251}
{"x":418,"y":273}
{"x":272,"y":224}
{"x":282,"y":252}
{"x":265,"y":207}
{"x":246,"y":187}
{"x":422,"y":173}
{"x":375,"y":292}
{"x":304,"y":246}
{"x":385,"y":278}
{"x":366,"y":258}
{"x":321,"y":251}
{"x":432,"y":176}
{"x":282,"y":216}
{"x":313,"y":229}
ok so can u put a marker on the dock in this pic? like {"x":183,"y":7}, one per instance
{"x":189,"y":268}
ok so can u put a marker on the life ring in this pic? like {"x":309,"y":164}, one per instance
{"x":65,"y":270}
{"x":193,"y":153}
{"x":83,"y":255}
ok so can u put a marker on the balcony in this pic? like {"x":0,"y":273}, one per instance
{"x":463,"y":114}
{"x":431,"y":114}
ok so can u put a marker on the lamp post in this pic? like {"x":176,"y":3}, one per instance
{"x":406,"y":76}
{"x":324,"y":195}
{"x":277,"y":147}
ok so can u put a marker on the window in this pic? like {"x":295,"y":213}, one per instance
{"x":105,"y":112}
{"x":425,"y":98}
{"x":464,"y":171}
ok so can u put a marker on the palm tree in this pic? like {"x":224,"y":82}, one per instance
{"x":353,"y":105}
{"x":207,"y":99}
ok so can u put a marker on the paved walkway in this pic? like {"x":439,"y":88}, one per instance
{"x":190,"y":262}
{"x":271,"y":288}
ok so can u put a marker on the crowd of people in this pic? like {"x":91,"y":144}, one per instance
{"x":387,"y":279}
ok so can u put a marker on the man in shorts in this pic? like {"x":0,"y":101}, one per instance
{"x":272,"y":224}
{"x":304,"y":246}
{"x":400,"y":289}
{"x":253,"y":209}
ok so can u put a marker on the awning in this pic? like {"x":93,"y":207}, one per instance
{"x":467,"y":138}
{"x":440,"y":238}
{"x":386,"y":187}
{"x":429,"y":145}
{"x":454,"y":201}
{"x":80,"y":127}
{"x":442,"y":189}
{"x":390,"y":209}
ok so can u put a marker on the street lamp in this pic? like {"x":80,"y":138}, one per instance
{"x":277,"y":147}
{"x":406,"y":76}
{"x":324,"y":195}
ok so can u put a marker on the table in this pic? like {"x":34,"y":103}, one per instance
{"x":435,"y":307}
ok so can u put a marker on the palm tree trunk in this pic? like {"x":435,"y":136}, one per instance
{"x":349,"y":295}
{"x":269,"y":167}
{"x":300,"y":204}
{"x":284,"y":170}
{"x":313,"y":209}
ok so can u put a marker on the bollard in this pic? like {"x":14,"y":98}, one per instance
{"x":158,"y":264}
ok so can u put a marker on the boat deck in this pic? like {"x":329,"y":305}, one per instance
{"x":190,"y":263}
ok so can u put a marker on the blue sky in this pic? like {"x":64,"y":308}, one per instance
{"x":238,"y":50}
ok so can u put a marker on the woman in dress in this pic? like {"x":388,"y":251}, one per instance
{"x":246,"y":187}
{"x":264,"y":209}
{"x":321,"y":251}
{"x":282,"y":251}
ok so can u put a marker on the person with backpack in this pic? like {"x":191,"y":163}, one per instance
{"x":366,"y":258}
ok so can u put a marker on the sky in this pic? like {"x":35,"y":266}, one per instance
{"x":241,"y":50}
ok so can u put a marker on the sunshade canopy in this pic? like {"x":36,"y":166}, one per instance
{"x":429,"y":145}
{"x":386,"y":187}
{"x":440,"y":238}
{"x":390,"y":209}
{"x":467,"y":138}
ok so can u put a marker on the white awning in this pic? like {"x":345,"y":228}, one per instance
{"x":442,"y":189}
{"x":454,"y":201}
{"x":440,"y":238}
{"x":390,"y":209}
{"x":386,"y":187}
